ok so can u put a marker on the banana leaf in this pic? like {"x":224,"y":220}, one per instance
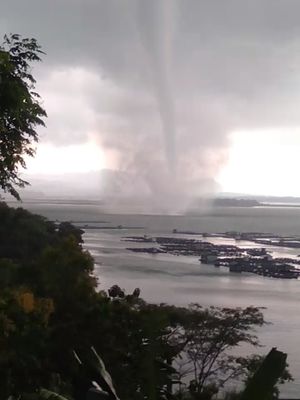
{"x":42,"y":394}
{"x":48,"y":395}
{"x":105,"y":374}
{"x":93,"y":367}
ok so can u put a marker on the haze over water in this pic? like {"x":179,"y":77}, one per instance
{"x":183,"y":280}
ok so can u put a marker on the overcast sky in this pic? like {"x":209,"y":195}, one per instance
{"x":206,"y":91}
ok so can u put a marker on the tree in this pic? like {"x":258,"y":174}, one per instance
{"x":264,"y":375}
{"x":50,"y":307}
{"x":20,"y":109}
{"x":207,"y":360}
{"x":23,"y":339}
{"x":208,"y":337}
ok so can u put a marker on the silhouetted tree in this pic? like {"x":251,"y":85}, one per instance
{"x":208,"y":337}
{"x":50,"y":306}
{"x":20,"y":109}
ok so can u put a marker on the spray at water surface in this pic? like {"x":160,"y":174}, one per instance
{"x":161,"y":85}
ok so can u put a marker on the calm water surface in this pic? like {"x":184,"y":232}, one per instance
{"x":182,"y":280}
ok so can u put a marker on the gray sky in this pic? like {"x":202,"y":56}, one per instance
{"x":207,"y":91}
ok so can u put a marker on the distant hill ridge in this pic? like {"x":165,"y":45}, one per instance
{"x":232,"y":202}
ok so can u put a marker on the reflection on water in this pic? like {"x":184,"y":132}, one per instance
{"x":182,"y":280}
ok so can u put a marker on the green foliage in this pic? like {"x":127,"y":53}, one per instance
{"x":41,"y":394}
{"x":93,"y":375}
{"x":45,"y":279}
{"x":47,"y":395}
{"x":265,"y":372}
{"x":209,"y":335}
{"x":20,"y":109}
{"x":22,"y":341}
{"x":22,"y":235}
{"x":50,"y":307}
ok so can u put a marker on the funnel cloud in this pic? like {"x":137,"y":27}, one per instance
{"x":155,"y":23}
{"x":160,"y":85}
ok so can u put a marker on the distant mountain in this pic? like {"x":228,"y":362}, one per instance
{"x":232,"y":202}
{"x":87,"y":185}
{"x":260,"y":198}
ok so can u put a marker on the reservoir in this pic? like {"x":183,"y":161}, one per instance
{"x":182,"y":280}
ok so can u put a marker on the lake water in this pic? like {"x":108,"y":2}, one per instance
{"x":182,"y":280}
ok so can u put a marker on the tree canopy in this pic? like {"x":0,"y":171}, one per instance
{"x":50,"y":306}
{"x":53,"y":315}
{"x":20,"y":109}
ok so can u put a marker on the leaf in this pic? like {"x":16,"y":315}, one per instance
{"x":45,"y":394}
{"x":20,"y":110}
{"x":105,"y":374}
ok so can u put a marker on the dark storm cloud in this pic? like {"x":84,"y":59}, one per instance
{"x":151,"y":78}
{"x":215,"y":44}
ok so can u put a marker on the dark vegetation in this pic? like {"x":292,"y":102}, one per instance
{"x":20,"y":110}
{"x":51,"y":312}
{"x":50,"y":306}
